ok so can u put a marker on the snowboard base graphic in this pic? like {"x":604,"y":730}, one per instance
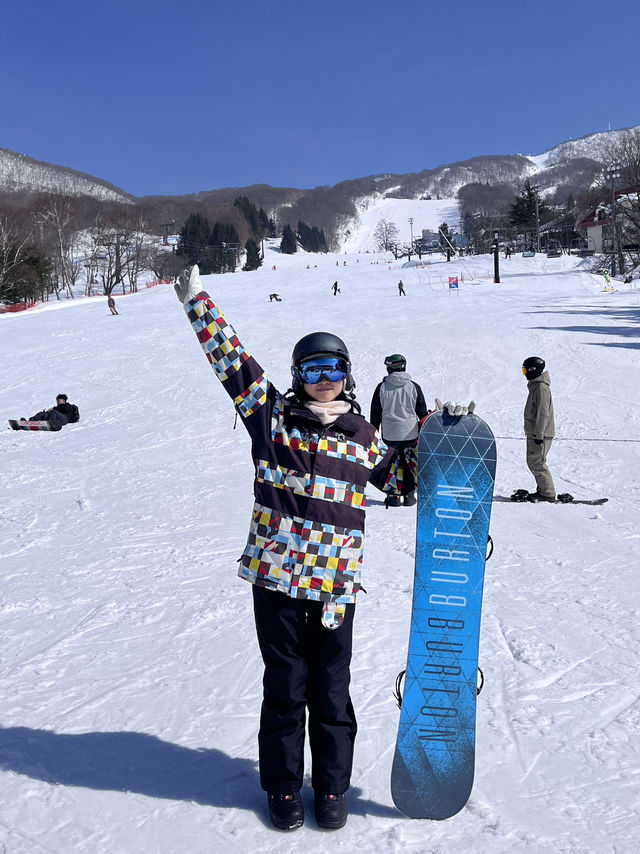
{"x":35,"y":425}
{"x":433,"y":765}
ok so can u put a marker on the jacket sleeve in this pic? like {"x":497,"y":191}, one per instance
{"x":375,"y":417}
{"x":421,"y":406}
{"x":240,"y":374}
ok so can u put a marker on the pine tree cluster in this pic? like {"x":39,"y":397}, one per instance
{"x":216,"y":248}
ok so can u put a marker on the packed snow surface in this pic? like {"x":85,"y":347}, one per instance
{"x":130,"y":674}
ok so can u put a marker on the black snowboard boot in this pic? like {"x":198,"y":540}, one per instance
{"x":393,"y":501}
{"x":410,"y":499}
{"x":538,"y":496}
{"x":286,"y":811}
{"x":331,"y":811}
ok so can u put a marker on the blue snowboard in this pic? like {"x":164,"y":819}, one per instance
{"x":434,"y":759}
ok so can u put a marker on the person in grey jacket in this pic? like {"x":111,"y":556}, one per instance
{"x":398,"y":406}
{"x":539,"y":426}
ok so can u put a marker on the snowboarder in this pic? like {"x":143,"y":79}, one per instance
{"x":401,"y":292}
{"x":275,"y":297}
{"x":398,"y":406}
{"x":112,"y":304}
{"x":336,"y":290}
{"x":313,"y":455}
{"x":66,"y":413}
{"x":539,"y":426}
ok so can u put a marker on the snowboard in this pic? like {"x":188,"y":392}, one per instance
{"x":433,"y":764}
{"x":35,"y":425}
{"x":523,"y":495}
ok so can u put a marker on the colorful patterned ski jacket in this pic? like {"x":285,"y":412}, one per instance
{"x":307,"y":524}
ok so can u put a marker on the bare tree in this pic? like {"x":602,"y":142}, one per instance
{"x":56,"y":220}
{"x":624,"y":155}
{"x":385,"y":234}
{"x":15,"y":240}
{"x":120,"y":242}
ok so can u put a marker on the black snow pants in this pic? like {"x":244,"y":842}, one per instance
{"x":306,"y":667}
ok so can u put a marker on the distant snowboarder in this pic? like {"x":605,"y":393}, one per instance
{"x":398,"y":406}
{"x":336,"y":290}
{"x":64,"y":412}
{"x":539,"y":426}
{"x":112,"y":304}
{"x":401,"y":292}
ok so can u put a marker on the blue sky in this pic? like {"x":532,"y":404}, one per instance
{"x":177,"y":97}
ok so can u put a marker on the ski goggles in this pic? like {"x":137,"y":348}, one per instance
{"x":333,"y":368}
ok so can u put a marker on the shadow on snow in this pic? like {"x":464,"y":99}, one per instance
{"x":144,"y":764}
{"x":626,"y":320}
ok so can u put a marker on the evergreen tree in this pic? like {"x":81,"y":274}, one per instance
{"x":254,"y":259}
{"x":311,"y":238}
{"x":224,"y":245}
{"x":250,"y":213}
{"x":193,"y":243}
{"x":529,"y":209}
{"x":288,"y":245}
{"x":445,"y":236}
{"x":267,"y":225}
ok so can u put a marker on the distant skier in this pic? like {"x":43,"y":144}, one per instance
{"x":336,"y":290}
{"x":398,"y":406}
{"x":401,"y":289}
{"x":539,"y":426}
{"x":112,"y":304}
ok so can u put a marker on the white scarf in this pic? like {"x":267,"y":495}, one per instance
{"x":328,"y":411}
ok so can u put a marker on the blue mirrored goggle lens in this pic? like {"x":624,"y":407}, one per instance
{"x":312,"y":371}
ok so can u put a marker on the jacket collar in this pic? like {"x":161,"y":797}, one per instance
{"x":348,"y":423}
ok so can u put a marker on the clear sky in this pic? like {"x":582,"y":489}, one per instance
{"x":177,"y":97}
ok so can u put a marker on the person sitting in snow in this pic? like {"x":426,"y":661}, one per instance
{"x":66,"y":413}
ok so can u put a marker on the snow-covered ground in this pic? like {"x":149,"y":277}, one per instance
{"x":130,"y":675}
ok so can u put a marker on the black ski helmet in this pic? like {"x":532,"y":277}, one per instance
{"x":395,"y":362}
{"x":320,"y":344}
{"x":533,"y":367}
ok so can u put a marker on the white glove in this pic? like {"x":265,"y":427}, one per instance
{"x":188,"y":285}
{"x":456,"y":408}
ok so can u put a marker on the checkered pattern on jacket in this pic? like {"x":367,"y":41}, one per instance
{"x":307,"y":525}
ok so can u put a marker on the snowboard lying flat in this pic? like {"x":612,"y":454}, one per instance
{"x":35,"y":425}
{"x":434,"y":759}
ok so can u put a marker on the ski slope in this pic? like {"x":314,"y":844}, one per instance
{"x":130,"y":676}
{"x":426,"y":214}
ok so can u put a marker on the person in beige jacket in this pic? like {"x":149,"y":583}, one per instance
{"x":539,"y":426}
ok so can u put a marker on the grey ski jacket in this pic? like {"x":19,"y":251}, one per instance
{"x":398,"y":405}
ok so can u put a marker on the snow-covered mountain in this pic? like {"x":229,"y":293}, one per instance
{"x":566,"y":169}
{"x":19,"y":173}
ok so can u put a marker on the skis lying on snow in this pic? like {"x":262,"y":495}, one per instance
{"x":35,"y":425}
{"x":433,"y":764}
{"x":523,"y":495}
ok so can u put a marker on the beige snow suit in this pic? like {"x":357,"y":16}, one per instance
{"x":539,"y":428}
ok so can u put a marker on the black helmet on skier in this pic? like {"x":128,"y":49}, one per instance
{"x":395,"y":362}
{"x":533,"y":367}
{"x":307,"y":363}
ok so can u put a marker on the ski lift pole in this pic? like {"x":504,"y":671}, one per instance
{"x":496,"y":258}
